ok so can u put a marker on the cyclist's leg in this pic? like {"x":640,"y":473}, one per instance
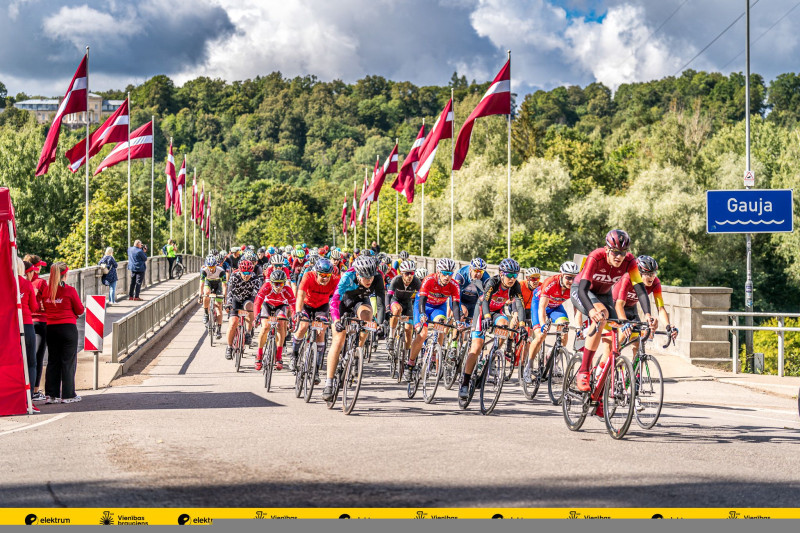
{"x":364,"y":312}
{"x":206,"y":292}
{"x":297,"y":338}
{"x":419,"y":340}
{"x":593,"y":342}
{"x":439,"y":314}
{"x":281,"y":312}
{"x":321,"y":313}
{"x":476,"y":346}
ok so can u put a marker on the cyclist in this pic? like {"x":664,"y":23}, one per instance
{"x":626,"y":298}
{"x":337,"y":260}
{"x":421,"y":273}
{"x":399,"y":299}
{"x":352,"y":297}
{"x":431,"y":304}
{"x":298,"y":263}
{"x":274,"y":299}
{"x":471,"y":280}
{"x":242,"y":291}
{"x":498,"y":290}
{"x":591,"y":295}
{"x":213,"y":280}
{"x":277,"y":263}
{"x":548,"y":302}
{"x":532,"y":281}
{"x":313,"y":302}
{"x":263,"y":259}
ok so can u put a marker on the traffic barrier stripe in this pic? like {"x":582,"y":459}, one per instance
{"x":95,"y":320}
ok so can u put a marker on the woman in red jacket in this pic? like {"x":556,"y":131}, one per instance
{"x":63,"y":307}
{"x":39,"y":321}
{"x":27,"y":296}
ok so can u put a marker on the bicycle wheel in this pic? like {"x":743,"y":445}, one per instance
{"x":212,"y":323}
{"x":177,"y":270}
{"x":492,"y":380}
{"x":352,"y":380}
{"x":618,"y":398}
{"x":574,"y":405}
{"x":402,"y":357}
{"x":530,"y":389}
{"x":450,"y":367}
{"x":431,"y":373}
{"x":393,"y":358}
{"x":268,"y":362}
{"x":311,"y":372}
{"x":508,"y":369}
{"x":413,"y":385}
{"x":238,"y":348}
{"x":555,"y":385}
{"x":302,"y":368}
{"x":649,"y":392}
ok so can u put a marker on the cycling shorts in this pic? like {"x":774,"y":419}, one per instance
{"x":215,"y":285}
{"x":406,"y":305}
{"x":321,"y":312}
{"x":477,"y":317}
{"x":606,"y":299}
{"x":632,"y":313}
{"x":277,"y":310}
{"x":350,"y":305}
{"x":555,"y":314}
{"x":470,"y":309}
{"x":432,"y":311}
{"x":239,"y":305}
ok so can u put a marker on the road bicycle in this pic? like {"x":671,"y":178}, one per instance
{"x":178,"y":268}
{"x":212,"y":327}
{"x":455,"y":355}
{"x":489,"y":371}
{"x":350,"y":369}
{"x":239,"y":338}
{"x":548,"y":366}
{"x":270,"y":348}
{"x":431,"y":355}
{"x":611,"y":383}
{"x":399,"y":355}
{"x":648,"y":378}
{"x":310,"y":359}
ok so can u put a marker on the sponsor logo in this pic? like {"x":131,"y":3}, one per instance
{"x":421,"y":515}
{"x":183,"y":519}
{"x":573,"y":515}
{"x":131,"y":520}
{"x":733,"y":515}
{"x":30,"y":519}
{"x":344,"y":516}
{"x":657,"y":515}
{"x":107,"y":519}
{"x":498,"y":516}
{"x":605,"y":278}
{"x":45,"y":520}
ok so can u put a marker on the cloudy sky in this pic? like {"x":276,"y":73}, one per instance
{"x":554,"y":42}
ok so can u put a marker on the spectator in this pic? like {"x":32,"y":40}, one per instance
{"x":375,"y":247}
{"x":137,"y":264}
{"x":27,"y":296}
{"x":110,"y":278}
{"x":63,"y":307}
{"x":39,"y":321}
{"x":170,"y":250}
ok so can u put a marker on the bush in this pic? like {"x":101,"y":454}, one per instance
{"x":766,"y":342}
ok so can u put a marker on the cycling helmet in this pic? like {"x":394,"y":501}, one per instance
{"x":403,"y":255}
{"x":509,"y":266}
{"x":532,"y":271}
{"x":262,"y":250}
{"x":647,"y":264}
{"x":303,"y":245}
{"x":383,"y":267}
{"x":445,"y":264}
{"x":221,"y":257}
{"x":300,"y":253}
{"x":277,"y":276}
{"x":336,"y":255}
{"x":570,"y":267}
{"x":288,"y":248}
{"x":213,"y":252}
{"x":312,"y":260}
{"x":365,"y":267}
{"x":421,"y":272}
{"x":324,"y":266}
{"x":407,"y":266}
{"x":276,"y":260}
{"x":478,"y":263}
{"x":235,"y":249}
{"x":251,"y":248}
{"x":211,"y":261}
{"x":245,"y":266}
{"x":249,"y":255}
{"x":271,"y":250}
{"x":618,"y":239}
{"x":314,"y":251}
{"x":356,"y":250}
{"x":371,"y":252}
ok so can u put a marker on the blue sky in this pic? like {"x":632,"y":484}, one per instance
{"x":553,"y":42}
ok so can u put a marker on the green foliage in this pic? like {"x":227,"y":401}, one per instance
{"x":539,"y":249}
{"x":766,"y":342}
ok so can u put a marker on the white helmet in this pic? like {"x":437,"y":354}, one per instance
{"x":569,"y":268}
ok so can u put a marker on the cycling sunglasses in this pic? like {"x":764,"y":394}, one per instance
{"x":278,"y":283}
{"x":324,"y":274}
{"x":407,"y":273}
{"x":511,"y":276}
{"x":534,"y":278}
{"x":445,"y":273}
{"x":478,"y":270}
{"x":243,"y":273}
{"x":617,"y":253}
{"x":569,"y":278}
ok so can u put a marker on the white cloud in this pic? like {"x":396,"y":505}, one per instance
{"x":82,"y":24}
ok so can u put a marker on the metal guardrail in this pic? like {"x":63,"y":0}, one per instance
{"x":734,"y":326}
{"x":134,"y":328}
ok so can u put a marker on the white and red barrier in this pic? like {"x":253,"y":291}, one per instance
{"x":95,"y":321}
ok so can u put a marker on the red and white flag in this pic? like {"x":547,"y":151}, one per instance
{"x":201,"y":207}
{"x":364,"y":202}
{"x":193,"y":214}
{"x":180,"y":185}
{"x":496,"y":101}
{"x":74,"y":102}
{"x":354,"y":208}
{"x":207,"y":221}
{"x":114,"y":130}
{"x":141,"y":147}
{"x":404,"y":183}
{"x":344,"y":215}
{"x":171,"y":179}
{"x":389,"y":167}
{"x":442,"y":129}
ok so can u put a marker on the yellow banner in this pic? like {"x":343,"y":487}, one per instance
{"x":206,"y":516}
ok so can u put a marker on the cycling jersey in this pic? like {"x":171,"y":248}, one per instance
{"x":623,"y":290}
{"x":602,"y":276}
{"x":219,"y":274}
{"x":400,"y":292}
{"x":297,"y":265}
{"x":437,"y":294}
{"x":349,"y":294}
{"x":556,"y":294}
{"x":470,"y":289}
{"x":274,"y":299}
{"x":241,"y":290}
{"x":317,"y":295}
{"x":527,"y":293}
{"x":497,"y":295}
{"x":271,"y":268}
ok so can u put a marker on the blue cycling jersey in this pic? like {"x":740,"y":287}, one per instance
{"x":471,"y":289}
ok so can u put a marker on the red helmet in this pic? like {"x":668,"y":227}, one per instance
{"x":618,"y":239}
{"x":245,"y":266}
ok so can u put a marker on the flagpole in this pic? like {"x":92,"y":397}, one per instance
{"x":452,"y":160}
{"x":508,"y":180}
{"x":194,"y":226}
{"x":422,"y":226}
{"x":183,"y":206}
{"x":170,"y":203}
{"x":129,"y":170}
{"x":152,"y":176}
{"x":366,"y":211}
{"x":87,"y":160}
{"x":377,"y":201}
{"x":397,"y":205}
{"x":202,"y":239}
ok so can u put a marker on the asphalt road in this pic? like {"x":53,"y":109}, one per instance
{"x":189,"y":431}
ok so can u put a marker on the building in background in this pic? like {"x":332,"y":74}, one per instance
{"x":45,"y":109}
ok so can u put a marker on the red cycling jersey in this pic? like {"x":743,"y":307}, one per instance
{"x":602,"y":276}
{"x":297,"y":265}
{"x":275,"y":299}
{"x":271,"y":268}
{"x":623,"y":290}
{"x":437,"y":294}
{"x":552,"y":289}
{"x":317,"y":295}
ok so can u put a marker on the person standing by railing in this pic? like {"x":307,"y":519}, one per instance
{"x":171,"y":251}
{"x":109,"y":279}
{"x":63,"y":307}
{"x":137,"y":264}
{"x":39,"y":322}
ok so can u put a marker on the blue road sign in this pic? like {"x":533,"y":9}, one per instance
{"x":750,"y":211}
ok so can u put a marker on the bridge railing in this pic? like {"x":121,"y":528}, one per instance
{"x":134,"y":328}
{"x":734,"y":327}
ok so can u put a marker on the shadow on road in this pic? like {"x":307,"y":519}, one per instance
{"x":137,"y":401}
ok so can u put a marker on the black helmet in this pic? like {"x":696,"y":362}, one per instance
{"x":509,"y":266}
{"x":618,"y":240}
{"x":647,"y":264}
